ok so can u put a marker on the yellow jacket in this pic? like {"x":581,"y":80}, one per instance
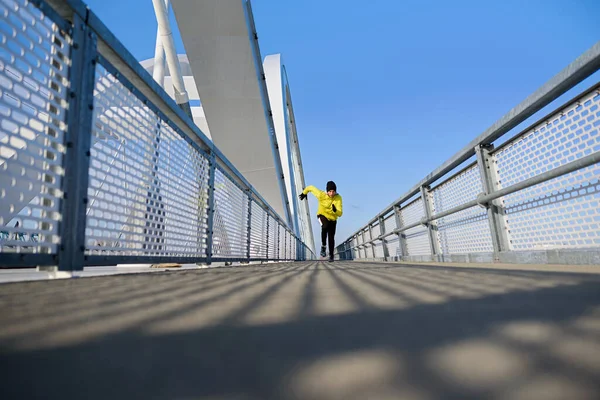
{"x":325,"y":203}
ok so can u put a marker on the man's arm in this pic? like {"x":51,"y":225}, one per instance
{"x":311,"y":189}
{"x":337,"y":202}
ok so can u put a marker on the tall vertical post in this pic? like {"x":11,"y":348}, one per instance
{"x":495,"y":209}
{"x":249,"y":227}
{"x":371,"y":241}
{"x":78,"y":139}
{"x":401,"y":236}
{"x":431,"y":225}
{"x":386,"y":252}
{"x":211,"y":208}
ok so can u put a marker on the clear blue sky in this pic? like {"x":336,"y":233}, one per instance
{"x":385,"y":91}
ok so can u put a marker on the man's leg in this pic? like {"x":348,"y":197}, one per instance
{"x":324,"y":228}
{"x":331,"y":238}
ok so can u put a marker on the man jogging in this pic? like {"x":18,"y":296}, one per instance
{"x":330,"y":209}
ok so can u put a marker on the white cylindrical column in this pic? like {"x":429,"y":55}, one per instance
{"x":168,"y":44}
{"x":158,"y":71}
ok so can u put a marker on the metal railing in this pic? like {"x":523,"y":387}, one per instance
{"x":535,"y":198}
{"x":101,"y":167}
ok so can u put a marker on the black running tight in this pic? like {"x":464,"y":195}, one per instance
{"x":328,"y":233}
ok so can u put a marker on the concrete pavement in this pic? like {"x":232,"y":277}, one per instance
{"x":308,"y":330}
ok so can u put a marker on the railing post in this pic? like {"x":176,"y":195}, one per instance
{"x":286,"y":252}
{"x":267,"y":247}
{"x":78,"y":139}
{"x":364,"y":246}
{"x":211,"y":207}
{"x":371,"y":239}
{"x":495,"y":208}
{"x":401,"y":236}
{"x":249,"y":228}
{"x":431,"y":225}
{"x":277,"y":239}
{"x":386,"y":252}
